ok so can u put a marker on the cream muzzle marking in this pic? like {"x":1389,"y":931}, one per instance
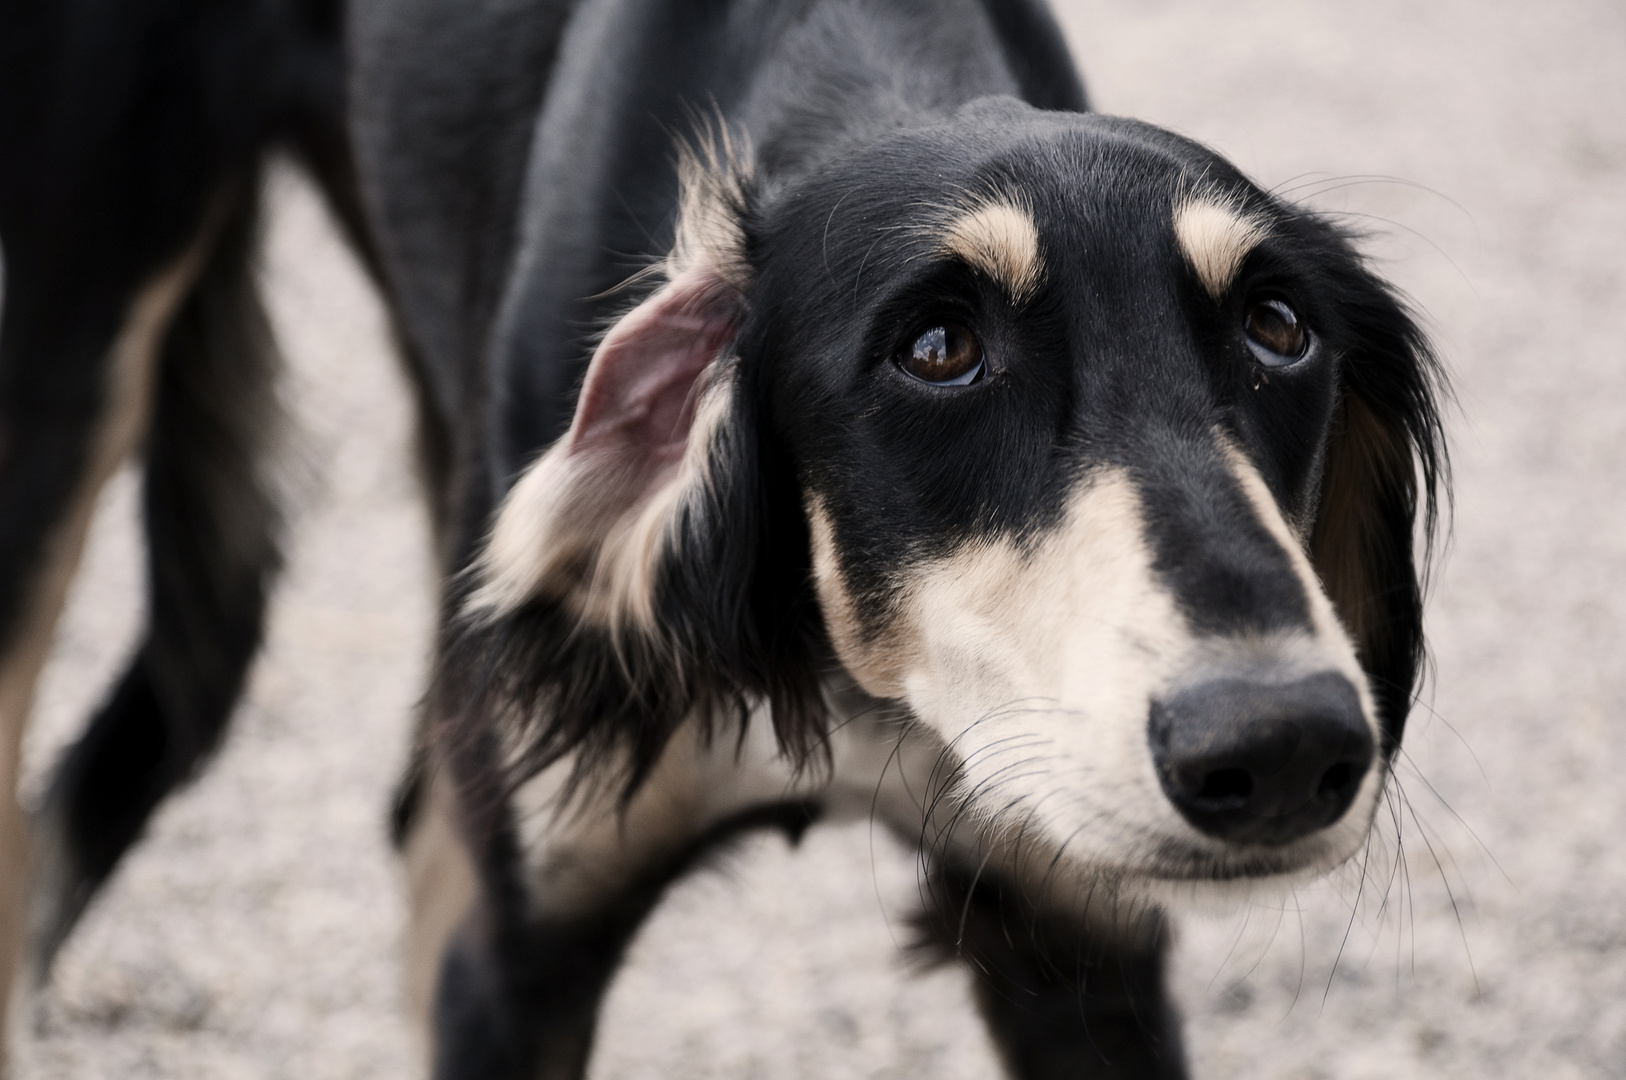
{"x":1035,"y":665}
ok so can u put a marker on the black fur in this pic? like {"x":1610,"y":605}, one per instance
{"x":449,"y":101}
{"x":1062,"y":1002}
{"x":748,"y":621}
{"x":1388,"y":413}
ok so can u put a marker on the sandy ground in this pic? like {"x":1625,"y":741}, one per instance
{"x":253,"y":933}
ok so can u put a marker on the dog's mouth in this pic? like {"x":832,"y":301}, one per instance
{"x":1139,"y":848}
{"x":1198,"y":860}
{"x":1174,"y":870}
{"x":1175,"y":861}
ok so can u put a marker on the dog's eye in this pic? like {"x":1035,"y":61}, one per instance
{"x":1275,"y":334}
{"x":947,"y":355}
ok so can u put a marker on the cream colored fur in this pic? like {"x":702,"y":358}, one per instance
{"x":581,"y":846}
{"x":443,"y":886}
{"x":1035,"y":665}
{"x":1215,"y":235}
{"x":713,"y":177}
{"x":999,"y":238}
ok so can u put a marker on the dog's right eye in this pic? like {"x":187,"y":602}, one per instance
{"x":1274,"y":332}
{"x":947,"y":355}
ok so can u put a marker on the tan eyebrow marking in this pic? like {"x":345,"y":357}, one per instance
{"x":998,"y":237}
{"x":1216,"y":236}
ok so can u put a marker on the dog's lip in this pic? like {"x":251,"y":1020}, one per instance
{"x":1180,"y":861}
{"x":1225,"y":870}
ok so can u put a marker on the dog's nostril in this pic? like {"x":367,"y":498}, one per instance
{"x":1226,"y":784}
{"x":1338,"y":779}
{"x":1265,"y":763}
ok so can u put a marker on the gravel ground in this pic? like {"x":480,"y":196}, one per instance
{"x":1483,"y":144}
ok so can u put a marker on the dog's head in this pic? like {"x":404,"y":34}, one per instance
{"x":1053,"y":428}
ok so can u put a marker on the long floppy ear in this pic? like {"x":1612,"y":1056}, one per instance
{"x":621,"y":592}
{"x":1383,"y":473}
{"x":588,"y":523}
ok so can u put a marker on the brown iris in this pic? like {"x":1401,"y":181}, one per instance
{"x":947,"y":355}
{"x":1274,"y":332}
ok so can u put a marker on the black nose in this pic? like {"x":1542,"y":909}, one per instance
{"x":1253,"y":762}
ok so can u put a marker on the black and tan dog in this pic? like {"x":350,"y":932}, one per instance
{"x":1024,"y":477}
{"x":823,"y":414}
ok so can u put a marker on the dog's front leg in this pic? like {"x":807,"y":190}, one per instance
{"x":516,"y":935}
{"x":1063,"y":997}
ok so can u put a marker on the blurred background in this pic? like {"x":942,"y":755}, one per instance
{"x":1482,"y":148}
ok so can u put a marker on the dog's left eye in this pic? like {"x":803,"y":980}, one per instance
{"x":947,"y":355}
{"x":1275,"y":334}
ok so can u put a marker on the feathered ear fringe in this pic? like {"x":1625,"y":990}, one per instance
{"x":625,"y":591}
{"x":1386,"y":473}
{"x":731,"y":631}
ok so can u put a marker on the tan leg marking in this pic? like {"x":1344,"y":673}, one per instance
{"x":132,"y":366}
{"x":443,"y":885}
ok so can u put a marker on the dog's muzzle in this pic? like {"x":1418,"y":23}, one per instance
{"x":1253,"y":762}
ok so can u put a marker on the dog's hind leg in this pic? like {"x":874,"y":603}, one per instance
{"x":211,"y":522}
{"x":1062,"y":998}
{"x":75,"y":403}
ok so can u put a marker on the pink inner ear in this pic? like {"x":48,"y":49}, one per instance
{"x":637,"y":402}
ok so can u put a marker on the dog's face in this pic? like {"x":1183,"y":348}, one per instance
{"x":1058,"y":390}
{"x":1069,"y":431}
